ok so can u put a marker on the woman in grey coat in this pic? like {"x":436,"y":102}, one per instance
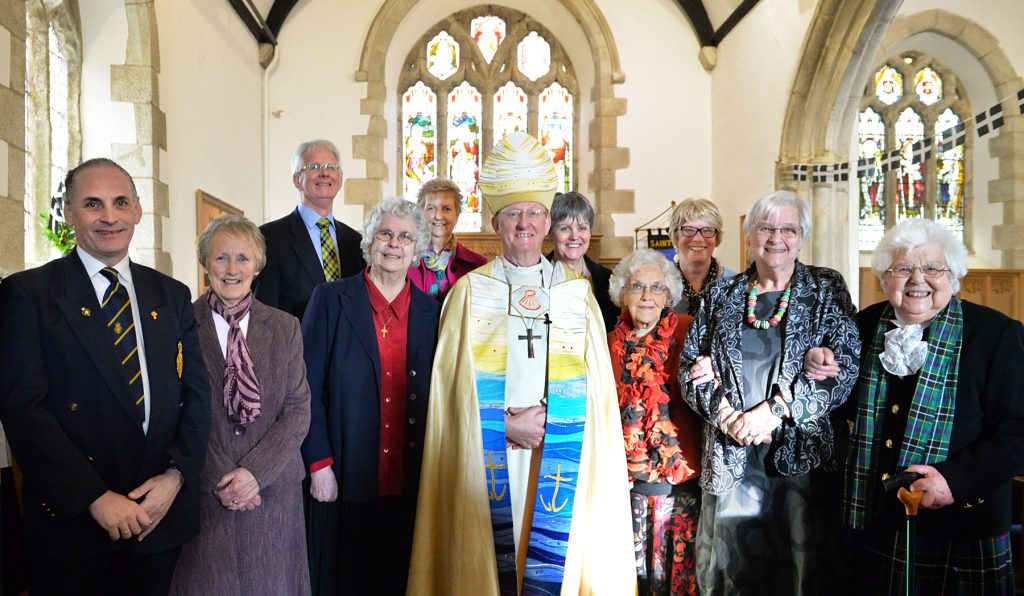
{"x":253,"y":538}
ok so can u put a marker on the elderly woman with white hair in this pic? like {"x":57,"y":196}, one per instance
{"x":768,"y":438}
{"x":938,"y":397}
{"x":369,"y":346}
{"x":660,"y":432}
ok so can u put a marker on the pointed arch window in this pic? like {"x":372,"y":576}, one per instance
{"x":483,"y":73}
{"x":909,"y":98}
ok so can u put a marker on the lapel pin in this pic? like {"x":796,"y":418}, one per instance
{"x":153,"y":314}
{"x":86,"y":312}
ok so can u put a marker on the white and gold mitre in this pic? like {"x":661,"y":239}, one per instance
{"x":518,"y":169}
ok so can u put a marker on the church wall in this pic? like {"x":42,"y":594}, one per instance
{"x":750,"y":89}
{"x":210,"y":90}
{"x":104,"y":38}
{"x":12,"y":136}
{"x":668,"y":127}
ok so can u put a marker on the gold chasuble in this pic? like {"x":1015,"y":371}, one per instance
{"x":576,"y":502}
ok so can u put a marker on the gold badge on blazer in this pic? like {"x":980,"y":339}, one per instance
{"x":178,"y":361}
{"x":86,"y":312}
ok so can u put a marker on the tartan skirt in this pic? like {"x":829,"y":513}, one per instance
{"x":979,"y":567}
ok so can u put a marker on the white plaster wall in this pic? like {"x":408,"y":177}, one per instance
{"x":313,"y":94}
{"x":5,"y":80}
{"x":104,"y":39}
{"x":668,"y":126}
{"x":210,"y":91}
{"x":750,"y":90}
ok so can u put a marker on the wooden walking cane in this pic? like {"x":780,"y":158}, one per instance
{"x":911,"y":501}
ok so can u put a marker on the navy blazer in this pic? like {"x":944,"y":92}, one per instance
{"x":67,"y":411}
{"x":343,"y":370}
{"x":986,"y":443}
{"x":293,"y":268}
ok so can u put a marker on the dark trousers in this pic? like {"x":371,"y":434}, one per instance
{"x":360,"y":548}
{"x":115,"y":573}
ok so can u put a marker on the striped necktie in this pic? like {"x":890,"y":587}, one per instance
{"x":332,"y":270}
{"x":117,"y":310}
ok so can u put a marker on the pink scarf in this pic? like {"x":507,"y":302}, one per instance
{"x":241,"y":389}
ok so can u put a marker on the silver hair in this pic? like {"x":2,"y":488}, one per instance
{"x":236,"y":226}
{"x":299,"y":158}
{"x":914,"y":233}
{"x":769,"y":206}
{"x":640,"y":258}
{"x":397,"y":207}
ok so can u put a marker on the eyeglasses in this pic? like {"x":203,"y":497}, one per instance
{"x":789,"y":233}
{"x":316,"y":167}
{"x":405,"y":238}
{"x":657,"y":288}
{"x":907,"y":270}
{"x":690,"y":231}
{"x":517,"y":214}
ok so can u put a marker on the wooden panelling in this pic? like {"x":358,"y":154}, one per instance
{"x":995,"y":288}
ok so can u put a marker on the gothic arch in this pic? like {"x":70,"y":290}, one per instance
{"x":608,"y":156}
{"x":839,"y":51}
{"x":136,"y":82}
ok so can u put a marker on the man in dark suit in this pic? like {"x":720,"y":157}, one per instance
{"x":308,"y":246}
{"x":105,"y":401}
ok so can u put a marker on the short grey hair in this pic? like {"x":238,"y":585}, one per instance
{"x":397,"y":207}
{"x":571,"y":206}
{"x":914,"y":233}
{"x":236,"y":226}
{"x":639,"y":259}
{"x":96,"y":162}
{"x":299,"y":158}
{"x":439,"y":185}
{"x":769,"y":206}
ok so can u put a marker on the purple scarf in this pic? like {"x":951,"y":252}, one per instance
{"x":241,"y":389}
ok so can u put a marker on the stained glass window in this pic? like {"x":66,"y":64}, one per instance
{"x":488,"y":33}
{"x":465,"y":112}
{"x":928,"y":86}
{"x":870,"y":147}
{"x":925,"y":183}
{"x":443,"y":56}
{"x":949,"y":170}
{"x":534,"y":56}
{"x":888,"y":85}
{"x":909,"y":176}
{"x":555,"y":123}
{"x":419,"y":128}
{"x":502,"y":72}
{"x":509,"y":111}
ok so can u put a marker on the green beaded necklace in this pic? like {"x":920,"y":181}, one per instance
{"x":783,"y":304}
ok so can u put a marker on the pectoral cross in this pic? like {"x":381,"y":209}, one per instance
{"x":529,"y":337}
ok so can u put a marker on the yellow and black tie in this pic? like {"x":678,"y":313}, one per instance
{"x":117,"y":310}
{"x":332,"y":270}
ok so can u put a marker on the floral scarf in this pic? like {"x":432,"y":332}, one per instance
{"x":241,"y":388}
{"x":651,"y":437}
{"x":438,"y":263}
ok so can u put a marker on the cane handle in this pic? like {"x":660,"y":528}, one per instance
{"x":911,"y":501}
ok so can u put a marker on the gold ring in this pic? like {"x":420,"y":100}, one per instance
{"x":750,"y":436}
{"x":126,"y":533}
{"x":233,"y":502}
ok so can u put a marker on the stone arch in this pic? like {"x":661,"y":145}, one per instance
{"x":136,"y":82}
{"x":608,"y":156}
{"x":839,"y":51}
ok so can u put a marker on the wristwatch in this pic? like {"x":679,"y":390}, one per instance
{"x":777,"y":407}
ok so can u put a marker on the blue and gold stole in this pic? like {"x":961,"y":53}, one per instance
{"x":563,"y":440}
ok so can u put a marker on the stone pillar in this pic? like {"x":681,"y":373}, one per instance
{"x":136,"y":81}
{"x":1008,"y":189}
{"x":12,"y":135}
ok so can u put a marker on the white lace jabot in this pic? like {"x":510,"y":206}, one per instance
{"x":905,"y":349}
